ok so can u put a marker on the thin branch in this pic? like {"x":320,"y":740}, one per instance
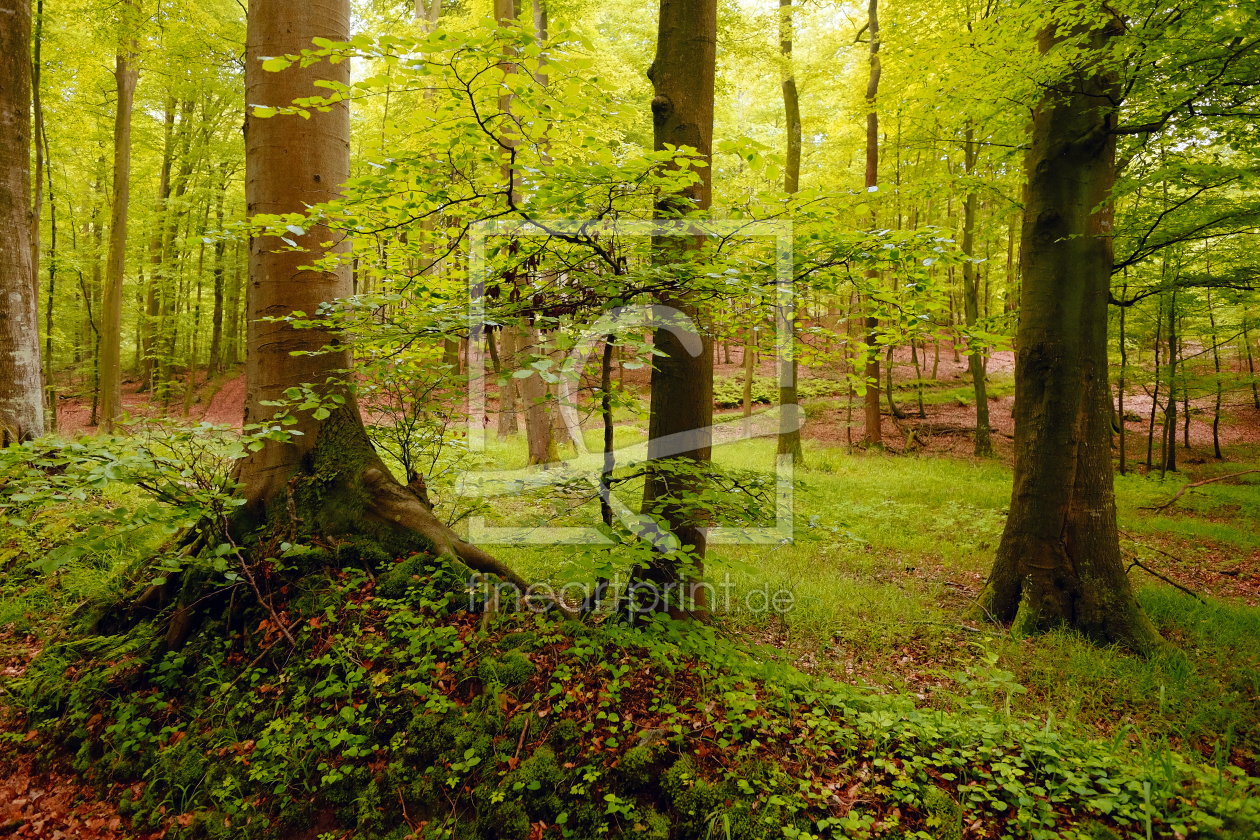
{"x":1170,"y":502}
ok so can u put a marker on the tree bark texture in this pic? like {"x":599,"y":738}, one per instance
{"x":874,"y":432}
{"x":21,"y":385}
{"x":790,"y":440}
{"x":125,"y":77}
{"x":1059,"y":562}
{"x":682,"y":75}
{"x":971,"y":305}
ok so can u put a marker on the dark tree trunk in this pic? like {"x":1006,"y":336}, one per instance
{"x":1170,"y":411}
{"x":1059,"y":562}
{"x":682,"y":76}
{"x":215,"y":363}
{"x":874,"y":432}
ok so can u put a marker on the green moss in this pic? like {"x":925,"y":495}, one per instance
{"x":945,"y":813}
{"x":566,"y":736}
{"x":640,"y":767}
{"x":512,"y":669}
{"x":524,"y":640}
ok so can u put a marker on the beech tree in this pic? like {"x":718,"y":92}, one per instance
{"x":682,"y":76}
{"x":21,"y":392}
{"x":1059,"y":559}
{"x":327,"y":473}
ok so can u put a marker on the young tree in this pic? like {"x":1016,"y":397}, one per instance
{"x":125,"y":77}
{"x":334,"y":478}
{"x":790,"y":441}
{"x":21,"y":386}
{"x":874,"y":431}
{"x":1059,"y":559}
{"x":971,"y":301}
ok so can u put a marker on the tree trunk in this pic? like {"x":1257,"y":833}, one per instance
{"x":1216,"y":360}
{"x":539,"y":439}
{"x":790,"y":438}
{"x":1124,"y":370}
{"x":1170,"y":411}
{"x":1059,"y":562}
{"x":125,"y":77}
{"x":984,"y":445}
{"x":337,"y":481}
{"x":215,"y":363}
{"x":874,"y":432}
{"x":21,"y":384}
{"x":507,"y":391}
{"x":1150,"y":429}
{"x":1251,"y":365}
{"x":682,"y":77}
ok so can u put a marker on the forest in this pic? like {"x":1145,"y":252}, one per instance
{"x":696,"y":419}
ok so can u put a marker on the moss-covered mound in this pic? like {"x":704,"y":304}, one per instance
{"x":404,"y":712}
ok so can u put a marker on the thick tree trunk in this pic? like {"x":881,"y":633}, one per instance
{"x":682,"y":77}
{"x":331,"y":472}
{"x":21,"y":385}
{"x":1059,"y":563}
{"x":534,"y":401}
{"x":971,"y":306}
{"x":125,"y":77}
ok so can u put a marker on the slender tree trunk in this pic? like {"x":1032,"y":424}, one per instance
{"x":232,"y":330}
{"x":507,"y":391}
{"x":790,"y":437}
{"x":1059,"y":559}
{"x":214,"y":364}
{"x":682,"y":76}
{"x":1216,"y":361}
{"x":874,"y":432}
{"x":1251,"y":365}
{"x":893,"y":409}
{"x":983,"y":444}
{"x":21,"y":384}
{"x":1124,"y":370}
{"x":125,"y":76}
{"x":1170,"y":411}
{"x":748,"y":376}
{"x":1150,"y":430}
{"x":918,"y":377}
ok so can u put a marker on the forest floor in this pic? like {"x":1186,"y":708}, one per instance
{"x":891,"y":550}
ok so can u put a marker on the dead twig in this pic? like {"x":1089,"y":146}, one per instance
{"x":1169,"y":581}
{"x":249,"y":577}
{"x":1193,"y":484}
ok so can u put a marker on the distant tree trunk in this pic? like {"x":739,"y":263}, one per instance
{"x":125,"y":77}
{"x":1251,"y":365}
{"x":1170,"y":411}
{"x":874,"y":432}
{"x":1124,"y":370}
{"x":1059,"y":560}
{"x":983,"y":446}
{"x":149,"y":320}
{"x":507,"y":391}
{"x":1216,"y":360}
{"x":232,"y":331}
{"x":539,"y":439}
{"x":893,"y":408}
{"x":21,"y":384}
{"x":790,"y":435}
{"x":1150,"y":430}
{"x":746,"y":404}
{"x":682,"y":77}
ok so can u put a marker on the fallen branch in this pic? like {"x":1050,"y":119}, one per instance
{"x":1172,"y":501}
{"x":1169,"y":581}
